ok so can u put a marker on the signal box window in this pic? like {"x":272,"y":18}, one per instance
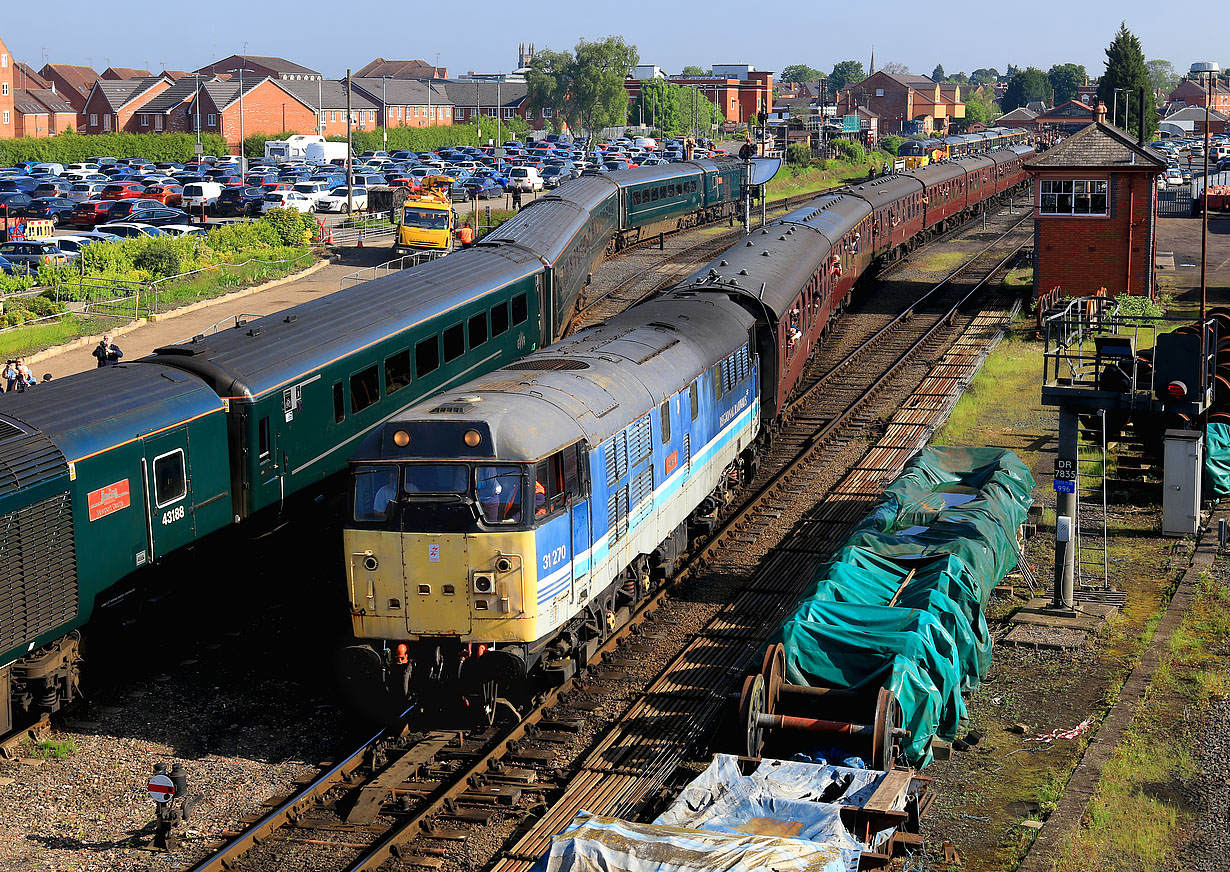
{"x":499,"y":319}
{"x":170,"y":478}
{"x":426,"y":356}
{"x":478,"y":329}
{"x":364,"y":389}
{"x":454,"y":343}
{"x":375,"y":490}
{"x":520,"y":309}
{"x":339,"y":404}
{"x":397,"y":371}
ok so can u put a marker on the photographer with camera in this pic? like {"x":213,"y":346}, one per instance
{"x":10,"y":375}
{"x":107,"y":352}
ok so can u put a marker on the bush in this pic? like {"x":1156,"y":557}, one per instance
{"x":71,"y":147}
{"x":159,"y":259}
{"x":798,"y":154}
{"x":891,"y":143}
{"x":850,"y":151}
{"x":292,"y":226}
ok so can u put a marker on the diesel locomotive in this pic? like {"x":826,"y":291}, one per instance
{"x":107,"y":471}
{"x":499,"y":531}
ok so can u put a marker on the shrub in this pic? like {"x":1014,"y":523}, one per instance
{"x":159,"y":258}
{"x":850,"y":151}
{"x":798,"y":154}
{"x":891,"y":143}
{"x":292,"y":226}
{"x":71,"y":147}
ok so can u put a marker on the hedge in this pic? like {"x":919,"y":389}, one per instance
{"x":406,"y":138}
{"x":69,"y":147}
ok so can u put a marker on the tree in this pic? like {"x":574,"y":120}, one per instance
{"x":1026,"y":86}
{"x":1065,"y":79}
{"x":1125,"y":68}
{"x":800,"y":73}
{"x":586,"y":88}
{"x":693,"y":70}
{"x":937,"y":75}
{"x":959,"y":78}
{"x":984,"y":76}
{"x":895,"y":68}
{"x":980,"y":105}
{"x":1013,"y":69}
{"x":673,"y":109}
{"x":845,"y":74}
{"x":1162,"y":75}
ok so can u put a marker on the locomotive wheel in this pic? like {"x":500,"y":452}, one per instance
{"x":774,"y":671}
{"x":751,"y":706}
{"x":888,"y":717}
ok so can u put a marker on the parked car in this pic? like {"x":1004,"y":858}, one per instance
{"x":483,"y":187}
{"x":90,"y":213}
{"x":288,"y":199}
{"x":337,"y":200}
{"x":1174,"y":178}
{"x":119,"y":210}
{"x":181,"y":230}
{"x":13,"y":204}
{"x":57,"y":210}
{"x":126,"y":230}
{"x":166,"y":194}
{"x":6,"y":267}
{"x":122,"y":191}
{"x":52,"y":188}
{"x":313,"y":190}
{"x":525,"y":179}
{"x":31,"y":253}
{"x":73,"y":243}
{"x":553,"y":177}
{"x":85,"y":190}
{"x":240,"y":200}
{"x":157,"y":217}
{"x":201,"y":195}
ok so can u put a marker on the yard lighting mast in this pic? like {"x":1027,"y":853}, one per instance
{"x":1208,"y":69}
{"x":384,"y":109}
{"x":243,"y":158}
{"x":349,"y":152}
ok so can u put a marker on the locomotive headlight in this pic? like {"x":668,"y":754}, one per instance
{"x":401,"y":438}
{"x":483,"y":583}
{"x":472,"y":438}
{"x":370,"y":563}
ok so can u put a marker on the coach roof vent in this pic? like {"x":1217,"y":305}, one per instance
{"x":546,"y":365}
{"x":454,"y":408}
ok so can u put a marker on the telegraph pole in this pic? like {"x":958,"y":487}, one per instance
{"x":349,"y":152}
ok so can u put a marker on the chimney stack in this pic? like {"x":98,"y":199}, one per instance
{"x":1099,"y":113}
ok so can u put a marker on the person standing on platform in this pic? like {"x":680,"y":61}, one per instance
{"x":107,"y":352}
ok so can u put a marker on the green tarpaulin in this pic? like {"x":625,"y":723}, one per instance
{"x":950,"y":519}
{"x":1217,"y":460}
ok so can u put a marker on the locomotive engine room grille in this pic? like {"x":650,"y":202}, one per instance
{"x":38,"y":570}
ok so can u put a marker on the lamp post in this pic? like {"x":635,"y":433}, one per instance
{"x":243,"y":158}
{"x":1209,"y":69}
{"x":1114,"y":115}
{"x":384,"y":109}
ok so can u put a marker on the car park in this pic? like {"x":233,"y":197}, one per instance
{"x":119,"y":210}
{"x":57,"y":210}
{"x":157,"y":217}
{"x":240,"y":200}
{"x":341,"y":198}
{"x":129,"y":230}
{"x":13,"y":204}
{"x":29,"y":254}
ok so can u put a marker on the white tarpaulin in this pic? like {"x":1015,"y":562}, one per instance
{"x":599,"y":844}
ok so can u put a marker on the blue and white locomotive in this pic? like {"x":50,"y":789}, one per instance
{"x":510,"y":525}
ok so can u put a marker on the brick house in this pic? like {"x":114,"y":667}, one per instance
{"x":1095,"y":213}
{"x":8,"y":124}
{"x":119,"y":74}
{"x":472,"y":98}
{"x":267,"y":108}
{"x":258,"y":67}
{"x":900,"y":99}
{"x":740,"y":91}
{"x":416,"y":69}
{"x":112,"y":105}
{"x":1066,"y":117}
{"x":41,"y":112}
{"x":73,"y":83}
{"x":328,"y":96}
{"x":1195,"y":93}
{"x":406,"y":102}
{"x":1192,"y":118}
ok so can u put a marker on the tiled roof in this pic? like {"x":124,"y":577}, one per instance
{"x":79,"y":78}
{"x":174,"y":75}
{"x":511,"y":94}
{"x":330,"y":93}
{"x":281,"y":66}
{"x":223,"y":94}
{"x":124,"y":73}
{"x":25,"y":77}
{"x":912,"y":81}
{"x":40,"y":100}
{"x":118,"y":93}
{"x":1194,"y":113}
{"x":1098,"y":145}
{"x":173,"y":96}
{"x":416,"y":69}
{"x":400,"y":92}
{"x":1021,"y":113}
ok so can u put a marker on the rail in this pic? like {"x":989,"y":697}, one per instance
{"x":226,"y":323}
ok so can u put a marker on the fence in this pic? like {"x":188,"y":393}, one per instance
{"x":363,"y":229}
{"x":392,"y":266}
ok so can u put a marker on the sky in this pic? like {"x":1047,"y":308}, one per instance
{"x":484,"y":37}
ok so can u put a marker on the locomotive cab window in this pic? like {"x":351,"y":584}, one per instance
{"x":498,"y":492}
{"x":375,"y":491}
{"x":549,"y":496}
{"x":694,"y":399}
{"x":664,"y":415}
{"x":170,"y":478}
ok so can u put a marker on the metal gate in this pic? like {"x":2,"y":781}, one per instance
{"x":1175,"y":204}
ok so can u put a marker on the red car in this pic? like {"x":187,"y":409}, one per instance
{"x":89,"y":213}
{"x":406,"y":182}
{"x":167,"y":195}
{"x":270,"y":187}
{"x":122,"y":191}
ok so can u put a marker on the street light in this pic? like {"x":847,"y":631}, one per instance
{"x":384,"y":108}
{"x":243,"y":158}
{"x":1114,"y":115}
{"x":1209,"y":69}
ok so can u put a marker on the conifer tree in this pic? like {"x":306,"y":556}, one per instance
{"x":1126,"y":68}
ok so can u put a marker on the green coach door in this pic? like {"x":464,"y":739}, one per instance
{"x":168,"y":492}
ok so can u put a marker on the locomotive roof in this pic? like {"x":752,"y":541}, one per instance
{"x":589,"y":386}
{"x":106,"y":407}
{"x":547,"y":225}
{"x":266,"y":353}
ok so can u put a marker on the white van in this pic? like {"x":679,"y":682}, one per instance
{"x":646,"y":142}
{"x":201,"y":194}
{"x":525,"y":179}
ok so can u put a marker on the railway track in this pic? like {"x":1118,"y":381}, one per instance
{"x":420,"y":799}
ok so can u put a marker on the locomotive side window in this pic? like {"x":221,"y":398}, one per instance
{"x":364,"y":389}
{"x":549,"y":486}
{"x":664,"y":415}
{"x":717,"y":381}
{"x":426,"y":356}
{"x":396,"y":371}
{"x":170,"y":478}
{"x":339,"y":403}
{"x":574,"y":471}
{"x":477,"y":326}
{"x":454,"y":342}
{"x":694,"y":399}
{"x":499,"y":319}
{"x":636,"y":198}
{"x":520,"y":309}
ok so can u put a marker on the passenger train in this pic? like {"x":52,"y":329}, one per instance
{"x":920,"y":152}
{"x":107,"y":471}
{"x":499,"y":531}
